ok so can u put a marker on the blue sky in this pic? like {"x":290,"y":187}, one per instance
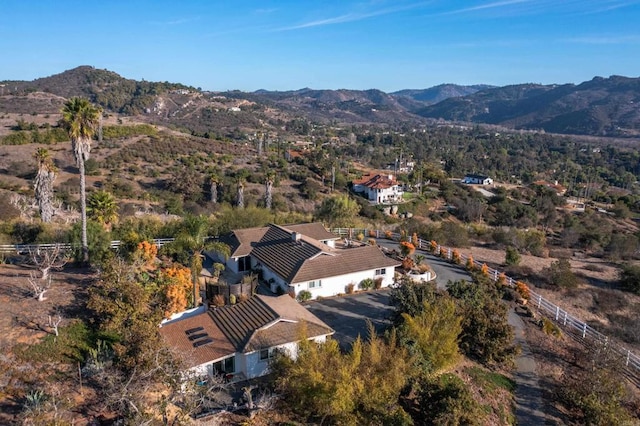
{"x":290,"y":44}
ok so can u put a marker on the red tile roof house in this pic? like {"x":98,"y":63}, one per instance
{"x":238,"y":340}
{"x":301,"y":257}
{"x":379,"y":188}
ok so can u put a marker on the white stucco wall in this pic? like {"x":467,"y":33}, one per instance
{"x":336,"y":285}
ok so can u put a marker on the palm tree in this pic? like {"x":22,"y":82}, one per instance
{"x":213,"y":182}
{"x":240,"y":197}
{"x":194,"y":238}
{"x":43,"y":184}
{"x":102,"y":207}
{"x":268,"y":193}
{"x":80,"y":118}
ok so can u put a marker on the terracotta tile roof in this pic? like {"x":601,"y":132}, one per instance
{"x":175,"y":335}
{"x":346,"y":261}
{"x":264,"y":321}
{"x":377,"y":181}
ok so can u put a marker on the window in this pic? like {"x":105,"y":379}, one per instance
{"x":314,"y":284}
{"x":266,"y":354}
{"x":244,"y":264}
{"x":382,"y":271}
{"x":227,"y":365}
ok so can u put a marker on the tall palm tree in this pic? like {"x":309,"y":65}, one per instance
{"x":81,"y":118}
{"x":240,"y":196}
{"x":193,"y":238}
{"x":43,"y":184}
{"x":268,"y":191}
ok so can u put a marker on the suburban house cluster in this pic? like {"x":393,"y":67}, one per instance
{"x":238,"y":340}
{"x":379,"y":188}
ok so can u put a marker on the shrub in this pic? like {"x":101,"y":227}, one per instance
{"x":232,"y":299}
{"x":550,"y":328}
{"x":372,"y":233}
{"x":360,"y":236}
{"x":407,"y":248}
{"x":470,"y":263}
{"x":502,"y":279}
{"x":523,"y":290}
{"x":366,"y":284}
{"x":304,"y":295}
{"x":512,"y":256}
{"x":407,"y":263}
{"x":484,"y":270}
{"x":377,"y":283}
{"x":388,"y":235}
{"x":433,"y":245}
{"x":350,"y":288}
{"x":414,"y":239}
{"x":243,"y":298}
{"x":218,"y":300}
{"x":372,"y":241}
{"x":455,"y":257}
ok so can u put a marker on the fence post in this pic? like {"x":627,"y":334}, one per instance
{"x":495,"y":275}
{"x":557,"y":312}
{"x":628,"y":356}
{"x":565,"y":318}
{"x":539,"y":301}
{"x":449,"y":256}
{"x":584,"y":330}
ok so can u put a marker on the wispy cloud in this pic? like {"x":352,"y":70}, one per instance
{"x":179,"y":21}
{"x":493,"y":5}
{"x":352,"y":17}
{"x":612,"y":5}
{"x":625,"y":39}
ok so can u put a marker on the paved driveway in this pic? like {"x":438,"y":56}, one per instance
{"x":348,"y":315}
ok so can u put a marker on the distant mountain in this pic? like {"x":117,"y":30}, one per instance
{"x":602,"y":106}
{"x":439,"y":93}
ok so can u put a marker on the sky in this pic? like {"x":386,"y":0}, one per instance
{"x":290,"y":44}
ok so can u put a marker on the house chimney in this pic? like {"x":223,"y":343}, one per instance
{"x":295,"y":237}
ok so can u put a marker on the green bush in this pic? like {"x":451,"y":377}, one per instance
{"x":366,"y":284}
{"x":304,"y":295}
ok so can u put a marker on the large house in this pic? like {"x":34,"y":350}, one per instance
{"x":238,"y":340}
{"x":477,"y":179}
{"x":379,"y":188}
{"x":301,"y":257}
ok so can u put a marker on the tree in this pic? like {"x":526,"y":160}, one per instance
{"x":193,"y":238}
{"x":512,"y":256}
{"x":486,"y":335}
{"x":43,"y":184}
{"x":240,"y":195}
{"x":433,"y":334}
{"x":213,"y":188}
{"x":102,"y":207}
{"x":268,"y":191}
{"x":338,"y":211}
{"x":560,"y":274}
{"x":630,"y":278}
{"x":80,"y":118}
{"x":409,"y":298}
{"x":447,"y":400}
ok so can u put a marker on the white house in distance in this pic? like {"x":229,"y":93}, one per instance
{"x":379,"y":188}
{"x":301,"y":257}
{"x":474,"y":179}
{"x":238,"y":340}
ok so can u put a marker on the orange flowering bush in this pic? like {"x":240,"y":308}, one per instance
{"x":407,"y":263}
{"x":177,"y":289}
{"x":470,"y":264}
{"x":146,"y":252}
{"x":523,"y":290}
{"x":484,"y":269}
{"x":388,"y":235}
{"x":455,"y":257}
{"x":502,"y":279}
{"x":434,"y":245}
{"x":407,"y":248}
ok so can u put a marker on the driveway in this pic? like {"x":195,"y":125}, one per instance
{"x":348,"y":315}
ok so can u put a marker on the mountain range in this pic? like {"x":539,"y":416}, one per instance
{"x":601,"y":106}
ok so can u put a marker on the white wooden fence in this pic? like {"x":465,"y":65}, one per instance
{"x":26,"y":248}
{"x":570,"y":324}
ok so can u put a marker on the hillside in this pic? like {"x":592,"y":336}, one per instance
{"x":602,"y":106}
{"x":439,"y":93}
